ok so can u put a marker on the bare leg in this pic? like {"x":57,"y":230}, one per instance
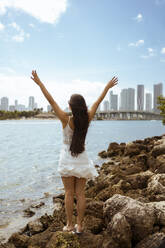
{"x":81,"y":201}
{"x":69,"y":184}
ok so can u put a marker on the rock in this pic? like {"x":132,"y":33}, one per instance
{"x":131,"y":150}
{"x":60,"y":196}
{"x":20,"y":241}
{"x":108,"y":241}
{"x":40,"y":239}
{"x":63,"y":239}
{"x":94,"y":208}
{"x":37,"y":205}
{"x":159,"y":209}
{"x":156,"y":185}
{"x":160,"y":164}
{"x":35,"y":226}
{"x":28,"y":212}
{"x":120,"y":230}
{"x":9,"y":245}
{"x":152,"y":241}
{"x":158,"y":150}
{"x":93,"y":224}
{"x":46,"y":220}
{"x":87,"y":240}
{"x":102,"y":154}
{"x":139,"y":180}
{"x":115,"y":149}
{"x":140,"y":217}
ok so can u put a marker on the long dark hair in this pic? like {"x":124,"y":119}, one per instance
{"x":81,"y":123}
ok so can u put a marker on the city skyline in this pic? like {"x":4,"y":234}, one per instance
{"x":86,"y":46}
{"x":126,"y":100}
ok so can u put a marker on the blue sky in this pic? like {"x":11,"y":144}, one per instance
{"x":78,"y":46}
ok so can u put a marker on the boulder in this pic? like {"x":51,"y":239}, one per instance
{"x":140,"y":217}
{"x":158,"y":150}
{"x":155,"y":240}
{"x":35,"y":226}
{"x":19,"y":240}
{"x":120,"y":230}
{"x":156,"y":184}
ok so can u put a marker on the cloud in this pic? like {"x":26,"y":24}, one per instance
{"x":48,"y":11}
{"x":31,"y":25}
{"x":150,"y":53}
{"x":139,"y":18}
{"x":136,"y":44}
{"x":20,"y":87}
{"x":163,"y":50}
{"x":21,"y":35}
{"x":2,"y":27}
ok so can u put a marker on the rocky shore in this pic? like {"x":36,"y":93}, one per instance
{"x":125,"y":205}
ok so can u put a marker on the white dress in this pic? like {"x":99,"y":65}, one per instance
{"x":80,"y":166}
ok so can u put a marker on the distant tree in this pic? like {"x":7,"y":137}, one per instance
{"x":161,"y":102}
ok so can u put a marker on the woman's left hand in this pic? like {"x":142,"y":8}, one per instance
{"x":35,"y":77}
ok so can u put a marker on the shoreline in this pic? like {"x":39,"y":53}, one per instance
{"x":133,"y":174}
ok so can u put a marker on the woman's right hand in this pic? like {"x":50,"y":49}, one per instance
{"x":112,"y":82}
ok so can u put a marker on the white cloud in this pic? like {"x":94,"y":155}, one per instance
{"x":136,"y":44}
{"x":2,"y":27}
{"x":31,"y":25}
{"x":21,"y":35}
{"x":150,"y":53}
{"x":45,"y":11}
{"x":163,"y":50}
{"x":139,"y":17}
{"x":21,"y":87}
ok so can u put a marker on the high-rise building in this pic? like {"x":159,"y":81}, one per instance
{"x":21,"y":107}
{"x":140,"y":97}
{"x":12,"y":108}
{"x":127,"y":99}
{"x":49,"y":108}
{"x":123,"y":99}
{"x":31,"y":102}
{"x":16,"y":104}
{"x":148,"y":102}
{"x":4,"y":103}
{"x":131,"y":99}
{"x":158,"y":91}
{"x":113,"y":100}
{"x":106,"y":106}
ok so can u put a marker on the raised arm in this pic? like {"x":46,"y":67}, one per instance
{"x":94,"y":107}
{"x":58,"y":111}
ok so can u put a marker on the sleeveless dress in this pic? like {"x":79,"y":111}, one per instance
{"x":80,"y":166}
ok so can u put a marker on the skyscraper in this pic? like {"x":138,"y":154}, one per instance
{"x":123,"y":99}
{"x":31,"y":102}
{"x":106,"y":106}
{"x":127,"y":99}
{"x":4,"y":103}
{"x":131,"y":99}
{"x":16,"y":104}
{"x":113,"y":100}
{"x":148,"y":102}
{"x":158,"y":90}
{"x":140,"y":97}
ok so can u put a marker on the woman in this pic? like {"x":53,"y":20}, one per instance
{"x":74,"y":166}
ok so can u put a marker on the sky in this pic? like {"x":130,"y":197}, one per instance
{"x":78,"y":46}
